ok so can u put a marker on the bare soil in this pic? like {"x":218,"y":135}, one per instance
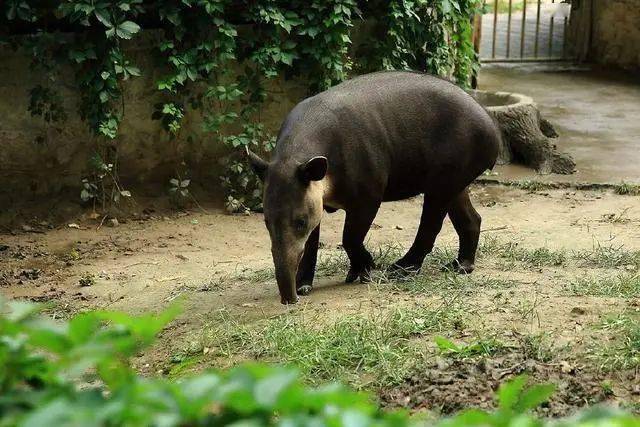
{"x":146,"y":262}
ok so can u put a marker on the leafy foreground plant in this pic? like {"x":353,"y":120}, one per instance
{"x":77,"y":373}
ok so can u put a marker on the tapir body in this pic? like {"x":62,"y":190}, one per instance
{"x":378,"y":137}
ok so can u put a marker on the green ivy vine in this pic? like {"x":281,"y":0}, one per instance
{"x":217,"y":56}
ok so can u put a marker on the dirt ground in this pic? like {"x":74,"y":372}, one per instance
{"x":203,"y":258}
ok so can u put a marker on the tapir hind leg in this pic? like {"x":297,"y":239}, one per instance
{"x":433,"y":214}
{"x":466,"y":221}
{"x":356,"y":226}
{"x":307,"y":267}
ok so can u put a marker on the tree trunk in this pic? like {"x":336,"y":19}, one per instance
{"x":526,"y":137}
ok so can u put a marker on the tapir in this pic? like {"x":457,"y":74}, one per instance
{"x":378,"y":137}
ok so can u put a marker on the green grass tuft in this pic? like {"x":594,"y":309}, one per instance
{"x":623,"y":352}
{"x":620,"y":286}
{"x":513,"y":252}
{"x":627,"y":189}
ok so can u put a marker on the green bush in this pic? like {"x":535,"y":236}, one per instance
{"x":217,"y":55}
{"x":78,"y":374}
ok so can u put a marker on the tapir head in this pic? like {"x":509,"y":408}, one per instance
{"x":292,"y":203}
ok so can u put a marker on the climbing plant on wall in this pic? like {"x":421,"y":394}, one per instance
{"x":216,"y":56}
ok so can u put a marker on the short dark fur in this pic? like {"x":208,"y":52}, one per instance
{"x":390,"y":136}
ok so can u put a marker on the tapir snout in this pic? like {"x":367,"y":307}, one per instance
{"x":286,"y":261}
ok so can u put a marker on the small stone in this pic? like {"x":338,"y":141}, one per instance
{"x":206,"y":350}
{"x":578,"y":311}
{"x":27,"y":228}
{"x":87,"y":280}
{"x":113,"y":222}
{"x":31,"y":273}
{"x":73,"y":225}
{"x":566,"y":368}
{"x":399,"y":227}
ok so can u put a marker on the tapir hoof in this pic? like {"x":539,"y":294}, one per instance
{"x":352,"y":276}
{"x":304,"y":289}
{"x":289,"y":302}
{"x":460,"y":267}
{"x":364,"y":275}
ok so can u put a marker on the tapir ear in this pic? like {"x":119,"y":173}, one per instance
{"x":314,"y":170}
{"x":259,"y":166}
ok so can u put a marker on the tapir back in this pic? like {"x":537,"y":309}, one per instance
{"x":393,"y":135}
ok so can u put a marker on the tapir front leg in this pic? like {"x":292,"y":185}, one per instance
{"x":307,"y":267}
{"x":356,"y":225}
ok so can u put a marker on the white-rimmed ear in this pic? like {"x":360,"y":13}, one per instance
{"x":314,"y":170}
{"x":259,"y":166}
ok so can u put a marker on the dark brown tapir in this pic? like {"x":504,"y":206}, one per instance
{"x":378,"y":137}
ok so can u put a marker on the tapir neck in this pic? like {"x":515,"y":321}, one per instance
{"x":328,"y":193}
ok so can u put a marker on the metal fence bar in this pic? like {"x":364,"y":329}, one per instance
{"x":509,"y":28}
{"x":495,"y":26}
{"x":522,"y":30}
{"x":551,"y":34}
{"x":535,"y":46}
{"x":564,"y":38}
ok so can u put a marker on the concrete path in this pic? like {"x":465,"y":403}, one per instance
{"x":596,"y":113}
{"x":547,"y":11}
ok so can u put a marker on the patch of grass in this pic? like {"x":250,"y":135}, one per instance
{"x":627,"y":189}
{"x":375,"y":349}
{"x":481,"y":347}
{"x":527,"y":309}
{"x":608,"y":257}
{"x":623,"y":351}
{"x":531,"y":185}
{"x":429,"y":282}
{"x":619,"y":286}
{"x":513,"y":252}
{"x":616,"y":218}
{"x":537,"y":347}
{"x":182,"y":365}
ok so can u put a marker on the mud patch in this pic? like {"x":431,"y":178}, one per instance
{"x":450,"y":385}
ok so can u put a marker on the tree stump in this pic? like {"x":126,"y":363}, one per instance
{"x":526,"y":136}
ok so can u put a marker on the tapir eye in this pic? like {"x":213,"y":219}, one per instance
{"x":300,"y":224}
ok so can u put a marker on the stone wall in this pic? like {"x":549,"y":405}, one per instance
{"x":36,"y":161}
{"x":607,"y":32}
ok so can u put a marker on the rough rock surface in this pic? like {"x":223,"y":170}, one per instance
{"x":527,"y":138}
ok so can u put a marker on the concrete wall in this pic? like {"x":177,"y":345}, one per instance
{"x":607,"y":32}
{"x":30,"y":169}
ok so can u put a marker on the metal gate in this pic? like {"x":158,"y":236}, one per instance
{"x":523,"y":30}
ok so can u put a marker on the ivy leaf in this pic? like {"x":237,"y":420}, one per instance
{"x":103,"y":16}
{"x":127,"y":29}
{"x":134,"y":71}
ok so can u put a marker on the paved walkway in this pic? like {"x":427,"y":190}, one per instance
{"x":595,"y":112}
{"x":547,"y":11}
